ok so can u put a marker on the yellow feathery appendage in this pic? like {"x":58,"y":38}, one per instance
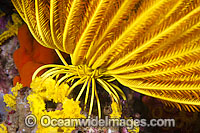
{"x":151,"y":46}
{"x":12,"y":28}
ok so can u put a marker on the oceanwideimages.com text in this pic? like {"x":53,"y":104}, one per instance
{"x":47,"y":121}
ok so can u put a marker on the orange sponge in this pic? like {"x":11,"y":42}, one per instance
{"x":30,"y":56}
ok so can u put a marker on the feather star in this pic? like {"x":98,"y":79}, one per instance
{"x":150,"y":46}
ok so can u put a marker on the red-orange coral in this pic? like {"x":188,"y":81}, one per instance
{"x":30,"y":56}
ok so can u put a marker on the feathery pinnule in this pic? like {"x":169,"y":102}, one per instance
{"x":150,"y":46}
{"x":59,"y":11}
{"x":19,"y":7}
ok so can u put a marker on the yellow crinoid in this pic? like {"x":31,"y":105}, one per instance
{"x":150,"y":46}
